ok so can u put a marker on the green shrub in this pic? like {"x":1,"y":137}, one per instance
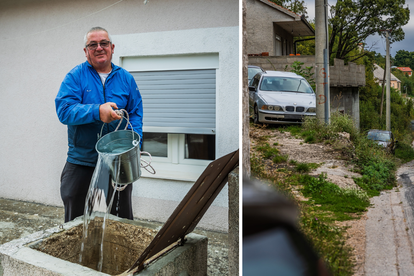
{"x":293,"y":162}
{"x":379,"y":175}
{"x":280,"y":159}
{"x":310,"y":139}
{"x":303,"y":168}
{"x":405,"y":152}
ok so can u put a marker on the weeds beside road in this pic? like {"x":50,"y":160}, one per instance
{"x":322,"y":203}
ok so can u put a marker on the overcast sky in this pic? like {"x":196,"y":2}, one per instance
{"x":406,"y":44}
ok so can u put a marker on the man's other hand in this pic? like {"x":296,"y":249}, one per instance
{"x":107,"y":113}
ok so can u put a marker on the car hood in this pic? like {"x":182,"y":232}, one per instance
{"x":284,"y":98}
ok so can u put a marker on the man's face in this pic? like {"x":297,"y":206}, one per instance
{"x":100,"y":57}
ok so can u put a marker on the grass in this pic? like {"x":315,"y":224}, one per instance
{"x":305,"y":167}
{"x":269,"y":152}
{"x":316,"y":221}
{"x":341,"y":203}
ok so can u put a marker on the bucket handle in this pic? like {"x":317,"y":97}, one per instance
{"x":121,"y":113}
{"x":147,"y":164}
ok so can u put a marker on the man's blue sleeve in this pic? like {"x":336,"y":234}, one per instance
{"x":69,"y":107}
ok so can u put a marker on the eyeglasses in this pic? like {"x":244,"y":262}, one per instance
{"x":93,"y":46}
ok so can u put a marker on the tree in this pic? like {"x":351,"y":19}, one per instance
{"x":407,"y":83}
{"x":297,"y":6}
{"x":352,"y":21}
{"x":404,"y":58}
{"x":379,"y":59}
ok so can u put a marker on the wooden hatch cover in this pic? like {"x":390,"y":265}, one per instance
{"x":191,"y":209}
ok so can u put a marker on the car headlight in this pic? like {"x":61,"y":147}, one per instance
{"x":272,"y":107}
{"x":311,"y":110}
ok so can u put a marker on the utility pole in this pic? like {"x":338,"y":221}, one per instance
{"x":322,"y":61}
{"x":388,"y":78}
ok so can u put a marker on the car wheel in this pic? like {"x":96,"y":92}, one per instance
{"x":256,"y":116}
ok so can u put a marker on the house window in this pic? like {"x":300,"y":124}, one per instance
{"x":200,"y":146}
{"x":196,"y":146}
{"x":155,"y":143}
{"x":179,"y":122}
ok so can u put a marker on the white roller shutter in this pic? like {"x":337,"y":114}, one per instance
{"x":178,"y":101}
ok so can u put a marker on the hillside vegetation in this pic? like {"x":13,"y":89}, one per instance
{"x":322,"y":203}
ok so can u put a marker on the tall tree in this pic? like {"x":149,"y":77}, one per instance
{"x":352,"y":21}
{"x":297,"y":6}
{"x":404,"y":58}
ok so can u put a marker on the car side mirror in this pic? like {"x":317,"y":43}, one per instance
{"x":252,"y":88}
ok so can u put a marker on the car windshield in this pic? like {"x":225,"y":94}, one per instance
{"x":285,"y":84}
{"x":379,"y":136}
{"x":253,"y":71}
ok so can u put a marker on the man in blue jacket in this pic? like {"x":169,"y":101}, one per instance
{"x":86,"y":100}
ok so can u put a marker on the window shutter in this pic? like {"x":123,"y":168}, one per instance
{"x":179,"y":101}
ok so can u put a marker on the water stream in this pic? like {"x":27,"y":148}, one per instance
{"x":99,"y":202}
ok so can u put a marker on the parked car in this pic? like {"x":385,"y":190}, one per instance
{"x":253,"y":70}
{"x":277,"y":97}
{"x":384,"y":138}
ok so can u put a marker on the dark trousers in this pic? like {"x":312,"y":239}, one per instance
{"x":74,"y":186}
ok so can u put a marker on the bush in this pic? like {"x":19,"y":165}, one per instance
{"x":377,"y":166}
{"x":303,"y":168}
{"x":404,"y":152}
{"x":280,"y":159}
{"x":316,"y":131}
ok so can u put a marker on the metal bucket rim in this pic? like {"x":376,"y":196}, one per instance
{"x":117,"y":153}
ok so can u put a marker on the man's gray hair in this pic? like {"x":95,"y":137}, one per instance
{"x":96,"y":29}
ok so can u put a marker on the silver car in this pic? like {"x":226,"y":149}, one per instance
{"x":384,"y":138}
{"x":280,"y":98}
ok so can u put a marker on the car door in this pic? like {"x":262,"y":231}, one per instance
{"x":252,"y":94}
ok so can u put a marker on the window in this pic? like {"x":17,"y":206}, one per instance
{"x":196,"y":146}
{"x":179,"y":122}
{"x":178,"y":156}
{"x":155,"y":143}
{"x":200,"y":146}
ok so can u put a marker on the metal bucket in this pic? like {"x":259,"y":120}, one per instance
{"x":120,"y":151}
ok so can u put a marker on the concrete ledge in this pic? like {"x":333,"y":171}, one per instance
{"x":18,"y":258}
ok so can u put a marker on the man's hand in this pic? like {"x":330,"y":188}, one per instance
{"x":106,"y":112}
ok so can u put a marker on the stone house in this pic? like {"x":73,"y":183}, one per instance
{"x":271,"y":28}
{"x":379,"y":78}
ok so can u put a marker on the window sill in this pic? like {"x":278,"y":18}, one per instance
{"x":170,"y":171}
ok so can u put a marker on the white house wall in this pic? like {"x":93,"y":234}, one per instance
{"x":42,"y":40}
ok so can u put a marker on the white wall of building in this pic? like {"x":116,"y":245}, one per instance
{"x":42,"y":40}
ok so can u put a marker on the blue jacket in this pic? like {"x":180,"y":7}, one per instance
{"x":77,"y":106}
